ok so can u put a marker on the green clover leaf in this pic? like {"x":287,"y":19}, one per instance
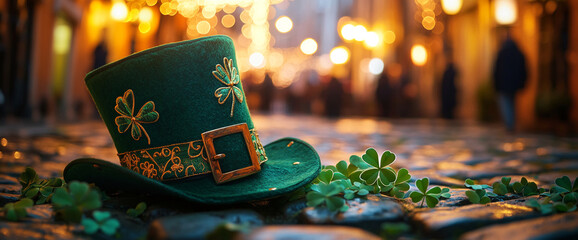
{"x":17,"y":211}
{"x":478,"y":196}
{"x":102,"y":221}
{"x":375,"y":171}
{"x":525,"y":188}
{"x":445,"y":193}
{"x":28,"y":177}
{"x":69,"y":203}
{"x":430,"y":197}
{"x":138,"y":210}
{"x":327,"y":194}
{"x":500,"y":188}
{"x":39,"y":190}
{"x":543,"y":205}
{"x":471,"y":184}
{"x":127,"y":119}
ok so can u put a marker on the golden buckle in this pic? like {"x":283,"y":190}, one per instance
{"x":213,"y":157}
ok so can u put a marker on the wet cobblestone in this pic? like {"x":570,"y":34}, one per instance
{"x":446,"y":152}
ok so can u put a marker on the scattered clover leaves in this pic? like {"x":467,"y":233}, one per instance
{"x":138,"y":210}
{"x":327,"y":195}
{"x":478,"y":196}
{"x":563,"y":197}
{"x":525,"y":188}
{"x":400,"y":185}
{"x":102,"y":221}
{"x":503,"y":187}
{"x":431,"y":197}
{"x":17,"y":211}
{"x":356,"y":189}
{"x":471,"y":184}
{"x":69,"y":203}
{"x":543,"y":205}
{"x":39,"y":190}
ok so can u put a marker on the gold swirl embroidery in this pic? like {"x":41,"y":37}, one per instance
{"x":148,"y":170}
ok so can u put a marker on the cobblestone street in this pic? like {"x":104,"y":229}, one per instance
{"x":446,"y":152}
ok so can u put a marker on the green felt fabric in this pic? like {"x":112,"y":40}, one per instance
{"x":278,"y":172}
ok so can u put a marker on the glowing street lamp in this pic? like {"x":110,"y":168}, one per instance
{"x":418,"y":55}
{"x":505,"y":11}
{"x":452,"y":7}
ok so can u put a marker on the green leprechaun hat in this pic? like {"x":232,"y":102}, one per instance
{"x":179,"y":119}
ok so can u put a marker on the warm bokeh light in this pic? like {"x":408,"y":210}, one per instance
{"x":348,"y":32}
{"x":418,"y":55}
{"x":208,"y":12}
{"x":151,"y":2}
{"x":376,"y":66}
{"x":203,"y":27}
{"x":389,"y":37}
{"x":284,"y":24}
{"x":144,"y":27}
{"x":119,"y":11}
{"x":371,"y":39}
{"x":257,"y":60}
{"x":4,"y":142}
{"x":339,"y":55}
{"x":452,"y":7}
{"x":276,"y":59}
{"x":505,"y":11}
{"x":245,"y":16}
{"x":428,"y":23}
{"x":229,"y":8}
{"x":145,"y":15}
{"x":228,"y":21}
{"x":359,"y":33}
{"x":309,"y":46}
{"x":62,"y":38}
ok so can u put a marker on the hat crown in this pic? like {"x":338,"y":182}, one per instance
{"x":158,"y":103}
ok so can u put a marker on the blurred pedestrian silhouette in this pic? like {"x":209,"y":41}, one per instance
{"x":333,"y":98}
{"x":449,"y":91}
{"x":384,"y":94}
{"x":266,"y":92}
{"x":509,"y":76}
{"x":100,"y":54}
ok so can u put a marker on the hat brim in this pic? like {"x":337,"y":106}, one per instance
{"x":290,"y":166}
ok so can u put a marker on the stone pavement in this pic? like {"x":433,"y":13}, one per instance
{"x":447,"y":152}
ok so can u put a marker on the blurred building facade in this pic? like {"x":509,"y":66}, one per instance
{"x":47,"y":47}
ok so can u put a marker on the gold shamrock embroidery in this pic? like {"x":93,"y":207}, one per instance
{"x":125,"y":107}
{"x":228,"y":76}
